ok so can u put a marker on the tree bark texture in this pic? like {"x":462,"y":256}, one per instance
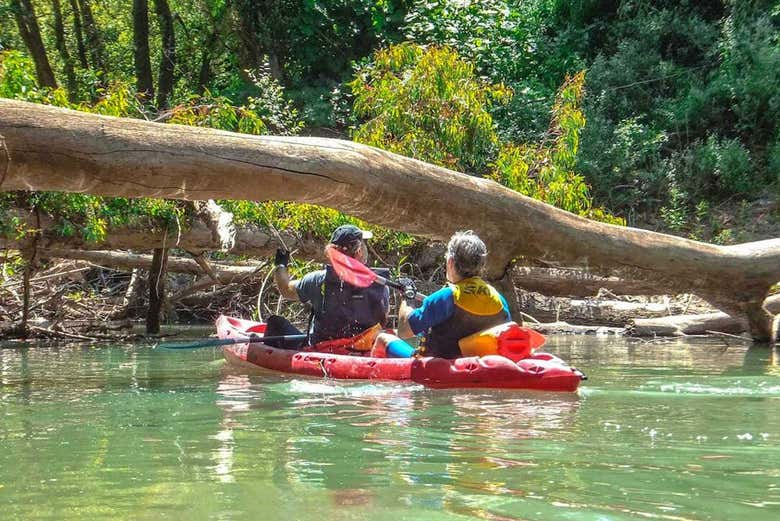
{"x":681,"y":325}
{"x":168,"y":58}
{"x":62,"y":49}
{"x":26,"y":20}
{"x":156,"y":290}
{"x":94,"y":41}
{"x":143,"y":65}
{"x":57,"y":149}
{"x":79,"y":34}
{"x":577,"y":283}
{"x":224,"y":273}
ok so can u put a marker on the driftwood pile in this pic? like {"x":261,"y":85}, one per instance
{"x":97,"y":295}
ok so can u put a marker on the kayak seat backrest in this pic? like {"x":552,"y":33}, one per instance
{"x":259,"y":328}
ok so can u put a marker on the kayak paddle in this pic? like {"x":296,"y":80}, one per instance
{"x":214,"y":342}
{"x":354,"y":272}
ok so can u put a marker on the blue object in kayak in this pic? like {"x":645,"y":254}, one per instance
{"x":399,"y":349}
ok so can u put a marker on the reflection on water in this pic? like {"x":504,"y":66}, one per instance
{"x":672,"y":430}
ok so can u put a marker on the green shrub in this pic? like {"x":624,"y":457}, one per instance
{"x":427,"y":104}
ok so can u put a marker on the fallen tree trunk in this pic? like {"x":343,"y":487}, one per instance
{"x":600,"y":311}
{"x":47,"y":148}
{"x":129,"y":261}
{"x":564,"y":328}
{"x":701,"y":324}
{"x":566,"y":282}
{"x":680,"y":325}
{"x":199,"y":235}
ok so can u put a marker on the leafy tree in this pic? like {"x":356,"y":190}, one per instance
{"x":93,"y":217}
{"x":428,"y":104}
{"x":514,"y":42}
{"x":27,"y":21}
{"x":682,"y":107}
{"x":546,"y":170}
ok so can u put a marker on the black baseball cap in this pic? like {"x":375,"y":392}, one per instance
{"x":348,"y":234}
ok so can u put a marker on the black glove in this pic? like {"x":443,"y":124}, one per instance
{"x":282,"y":257}
{"x":410,"y":290}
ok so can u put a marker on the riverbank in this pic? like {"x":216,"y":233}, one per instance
{"x":81,"y":301}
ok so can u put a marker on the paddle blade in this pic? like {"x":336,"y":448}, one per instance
{"x":350,"y":270}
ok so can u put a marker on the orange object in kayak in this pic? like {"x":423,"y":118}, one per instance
{"x":509,"y":340}
{"x":540,"y":371}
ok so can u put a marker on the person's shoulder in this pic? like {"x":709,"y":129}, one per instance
{"x":313,"y":278}
{"x":317,"y":275}
{"x":444,"y":293}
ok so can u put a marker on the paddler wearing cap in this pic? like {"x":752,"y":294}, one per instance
{"x":339,"y":310}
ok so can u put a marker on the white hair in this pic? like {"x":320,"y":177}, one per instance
{"x":468,"y":252}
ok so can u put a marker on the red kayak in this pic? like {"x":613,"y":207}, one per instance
{"x":540,"y":371}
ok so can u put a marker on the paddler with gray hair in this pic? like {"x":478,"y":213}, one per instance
{"x":466,"y":305}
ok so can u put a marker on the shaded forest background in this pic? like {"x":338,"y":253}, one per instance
{"x":657,"y":114}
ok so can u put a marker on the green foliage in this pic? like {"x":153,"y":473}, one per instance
{"x":269,"y":112}
{"x":546,"y":171}
{"x":10,"y":224}
{"x":683,"y":106}
{"x":629,"y":177}
{"x":427,"y":104}
{"x":509,"y":41}
{"x":502,"y":38}
{"x":17,"y":75}
{"x":675,"y":215}
{"x":312,"y":220}
{"x":91,"y":217}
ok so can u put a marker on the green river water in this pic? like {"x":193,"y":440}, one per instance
{"x":676,"y":430}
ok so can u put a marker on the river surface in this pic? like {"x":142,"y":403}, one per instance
{"x":675,"y":430}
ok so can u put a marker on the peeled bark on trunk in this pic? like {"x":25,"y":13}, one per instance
{"x":701,"y":324}
{"x":168,"y":56}
{"x":156,"y":290}
{"x":564,"y":328}
{"x":129,"y":261}
{"x":30,"y":31}
{"x":599,"y":311}
{"x":57,"y":149}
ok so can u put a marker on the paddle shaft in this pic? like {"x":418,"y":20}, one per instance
{"x":390,"y":283}
{"x":215,"y":342}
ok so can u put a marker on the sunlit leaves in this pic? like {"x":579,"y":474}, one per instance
{"x":546,"y":171}
{"x":427,"y":103}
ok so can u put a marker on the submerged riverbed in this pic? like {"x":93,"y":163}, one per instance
{"x":682,"y":430}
